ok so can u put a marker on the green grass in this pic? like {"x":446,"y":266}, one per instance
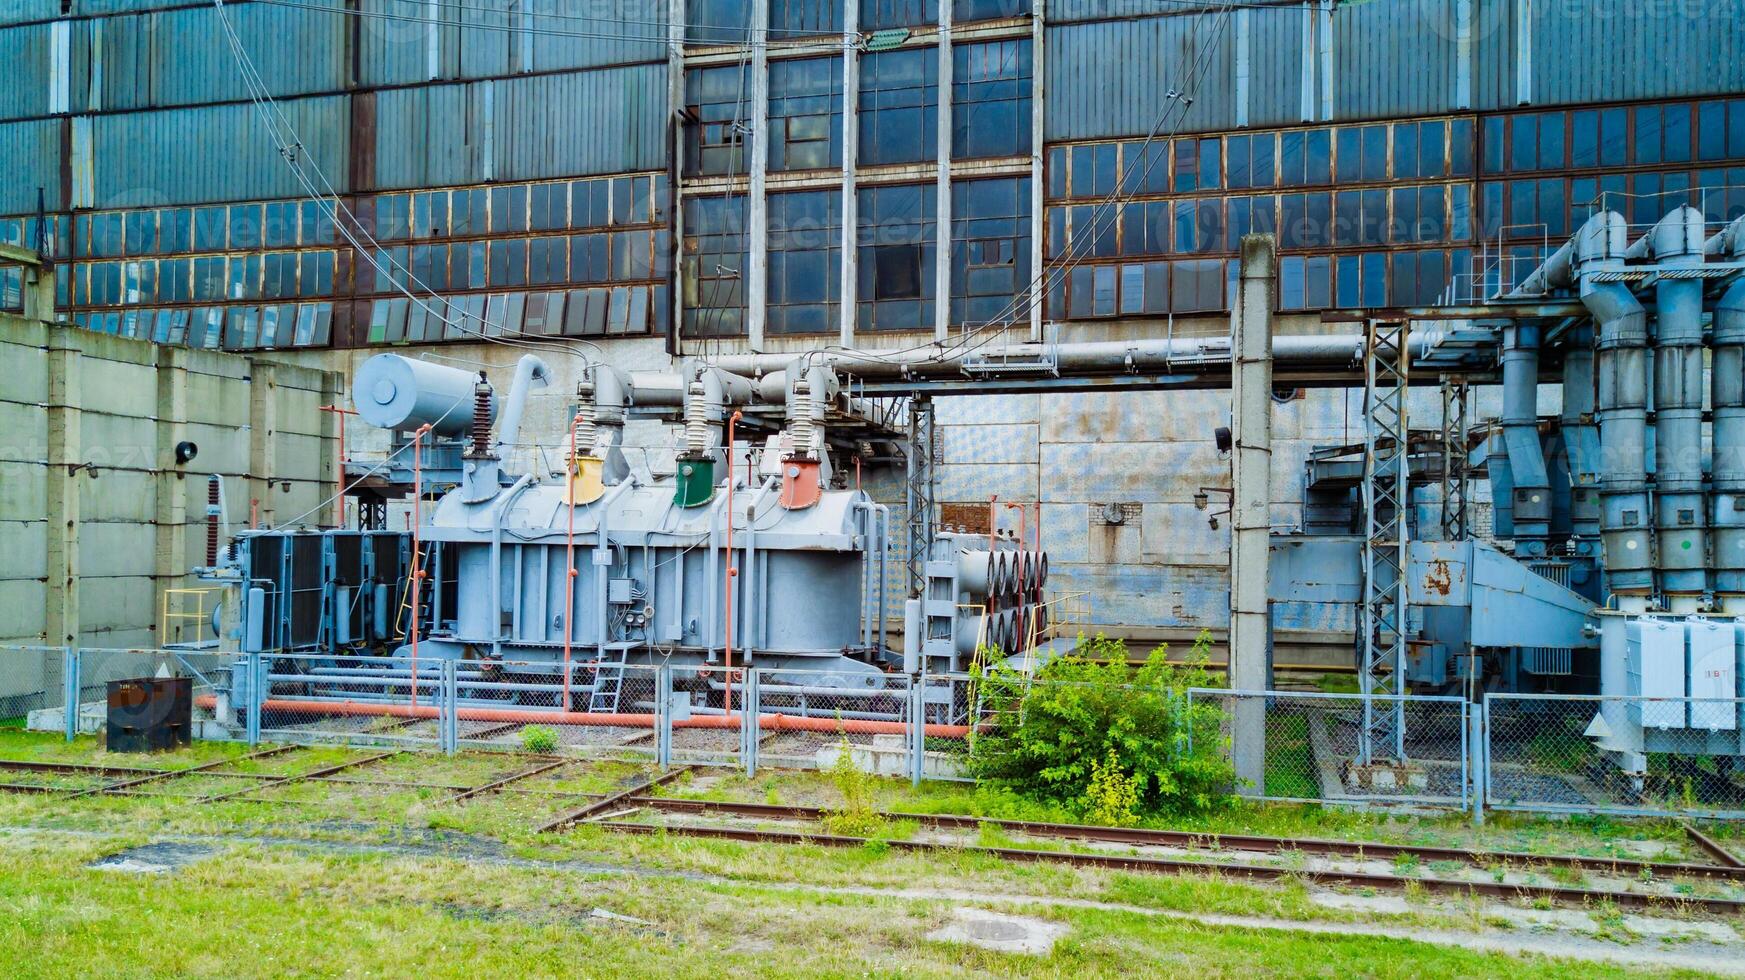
{"x":246,"y":913}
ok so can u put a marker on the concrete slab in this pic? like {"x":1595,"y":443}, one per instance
{"x":999,"y":931}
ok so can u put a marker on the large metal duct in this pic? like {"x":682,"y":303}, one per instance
{"x":1727,"y":394}
{"x":1680,"y":517}
{"x":1621,"y":367}
{"x":1581,"y":440}
{"x":1531,"y":493}
{"x":530,"y":372}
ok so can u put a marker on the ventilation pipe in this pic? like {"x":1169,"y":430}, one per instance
{"x":1532,"y":487}
{"x":611,"y":389}
{"x":1622,"y":410}
{"x":1680,"y":511}
{"x":1727,"y":395}
{"x":1581,"y":440}
{"x":530,"y":372}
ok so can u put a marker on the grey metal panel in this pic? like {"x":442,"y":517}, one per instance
{"x":31,"y":154}
{"x":472,"y":43}
{"x":1068,"y":11}
{"x":1586,"y":50}
{"x":1393,"y":59}
{"x":27,"y":54}
{"x":214,"y":153}
{"x":596,"y":122}
{"x":1112,"y":78}
{"x":426,"y":136}
{"x":183,"y":57}
{"x":1493,"y":55}
{"x":22,"y":11}
{"x":1276,"y":67}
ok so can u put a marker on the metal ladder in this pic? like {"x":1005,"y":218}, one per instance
{"x":608,"y":682}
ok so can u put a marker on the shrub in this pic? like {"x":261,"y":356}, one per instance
{"x":1110,"y":741}
{"x":856,"y":817}
{"x":539,"y":738}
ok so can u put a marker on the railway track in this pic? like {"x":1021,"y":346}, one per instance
{"x":1193,"y":840}
{"x":1576,"y":897}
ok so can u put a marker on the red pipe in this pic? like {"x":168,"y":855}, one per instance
{"x":773,"y":722}
{"x":417,"y":554}
{"x":732,"y":572}
{"x":569,"y":587}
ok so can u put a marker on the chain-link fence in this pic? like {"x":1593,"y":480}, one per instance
{"x":33,"y":685}
{"x":343,"y":700}
{"x":1616,"y":755}
{"x":1533,"y":752}
{"x":1312,"y":746}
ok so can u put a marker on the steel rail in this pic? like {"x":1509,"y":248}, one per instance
{"x":1578,"y":897}
{"x":1714,"y":849}
{"x":602,"y":805}
{"x":171,"y":773}
{"x":79,"y":769}
{"x":298,"y":777}
{"x":1145,"y":837}
{"x":497,"y":784}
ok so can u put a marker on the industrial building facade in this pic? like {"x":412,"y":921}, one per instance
{"x":686,"y":179}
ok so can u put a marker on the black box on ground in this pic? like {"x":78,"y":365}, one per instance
{"x":150,"y":714}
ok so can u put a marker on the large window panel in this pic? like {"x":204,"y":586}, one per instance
{"x":990,"y":99}
{"x":965,"y":11}
{"x":718,"y":103}
{"x":714,"y":263}
{"x":1251,"y":160}
{"x":1305,"y":158}
{"x":804,"y":262}
{"x":1145,"y":167}
{"x":1362,"y":153}
{"x":801,"y":18}
{"x":990,"y":250}
{"x":899,"y":98}
{"x":878,"y":15}
{"x":805,"y":114}
{"x":896,"y":250}
{"x":1197,"y":164}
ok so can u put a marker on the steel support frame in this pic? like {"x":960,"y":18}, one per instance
{"x":1456,"y":512}
{"x":922,"y":453}
{"x":1381,"y":635}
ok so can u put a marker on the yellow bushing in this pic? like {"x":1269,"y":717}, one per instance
{"x":586,"y":483}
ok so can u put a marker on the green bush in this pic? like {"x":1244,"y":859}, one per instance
{"x":856,"y":816}
{"x":1105,"y":739}
{"x":539,"y":738}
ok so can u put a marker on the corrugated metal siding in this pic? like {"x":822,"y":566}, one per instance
{"x":1275,"y":58}
{"x":214,"y":153}
{"x":398,"y":52}
{"x":597,"y":122}
{"x":1393,"y":59}
{"x":1069,"y":11}
{"x":183,"y":57}
{"x":425,"y":137}
{"x":1493,"y":55}
{"x":1112,"y":78}
{"x":21,"y":11}
{"x":27,"y":54}
{"x":1585,"y":50}
{"x":31,"y":152}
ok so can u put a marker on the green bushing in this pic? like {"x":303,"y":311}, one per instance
{"x":694,"y":483}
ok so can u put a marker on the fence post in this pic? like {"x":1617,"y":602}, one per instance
{"x":918,"y":729}
{"x":448,"y":710}
{"x":663,"y":717}
{"x":748,"y":726}
{"x":254,"y":697}
{"x":1477,"y":726}
{"x":70,"y":687}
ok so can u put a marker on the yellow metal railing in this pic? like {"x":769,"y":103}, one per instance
{"x":185,"y":610}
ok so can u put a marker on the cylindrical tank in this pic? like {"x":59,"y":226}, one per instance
{"x":395,"y":392}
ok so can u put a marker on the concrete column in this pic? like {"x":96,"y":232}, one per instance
{"x":850,"y":280}
{"x":263,"y":411}
{"x":757,"y":206}
{"x":331,"y":394}
{"x":65,"y":458}
{"x":1250,"y":508}
{"x":942,"y":184}
{"x":675,"y":67}
{"x":170,"y":547}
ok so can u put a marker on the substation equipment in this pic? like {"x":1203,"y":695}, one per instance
{"x":547,"y":586}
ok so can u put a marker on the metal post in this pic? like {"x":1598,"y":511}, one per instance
{"x":917,"y":729}
{"x":918,"y":493}
{"x":255,"y":696}
{"x":756,"y":278}
{"x":448,"y":710}
{"x":748,"y":721}
{"x":663,"y":717}
{"x":1476,"y":757}
{"x":70,"y":687}
{"x":1251,"y":503}
{"x":1455,"y":483}
{"x":1386,"y":501}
